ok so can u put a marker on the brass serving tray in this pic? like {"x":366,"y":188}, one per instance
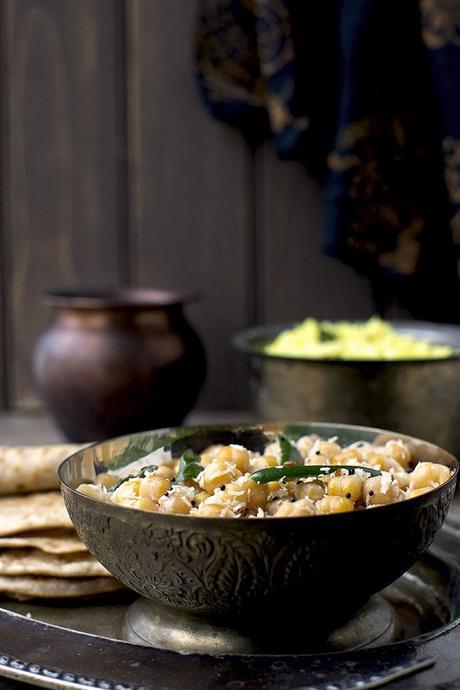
{"x":77,"y":647}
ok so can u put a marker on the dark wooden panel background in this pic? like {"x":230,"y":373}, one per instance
{"x":113,"y":172}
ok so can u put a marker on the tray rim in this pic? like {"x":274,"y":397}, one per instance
{"x":54,"y":676}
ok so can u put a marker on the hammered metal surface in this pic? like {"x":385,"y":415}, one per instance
{"x":241,"y":569}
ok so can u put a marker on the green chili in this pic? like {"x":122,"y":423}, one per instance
{"x":274,"y":474}
{"x":140,"y":475}
{"x":289,"y":453}
{"x":189,"y":466}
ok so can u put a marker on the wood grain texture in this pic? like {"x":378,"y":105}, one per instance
{"x":60,"y":173}
{"x":190,"y":189}
{"x":3,"y":263}
{"x":296,"y":278}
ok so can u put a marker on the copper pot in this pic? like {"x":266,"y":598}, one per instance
{"x":119,"y":361}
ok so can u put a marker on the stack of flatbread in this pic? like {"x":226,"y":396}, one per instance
{"x":41,"y":555}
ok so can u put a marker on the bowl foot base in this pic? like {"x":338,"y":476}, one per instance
{"x":148,"y":623}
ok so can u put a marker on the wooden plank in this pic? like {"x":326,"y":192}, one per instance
{"x":3,"y":276}
{"x":60,"y":175}
{"x":191,"y":189}
{"x":296,"y":278}
{"x":2,"y":320}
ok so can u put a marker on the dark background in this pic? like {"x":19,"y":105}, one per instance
{"x":112,"y":172}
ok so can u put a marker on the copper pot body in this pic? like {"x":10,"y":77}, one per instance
{"x":118,"y":363}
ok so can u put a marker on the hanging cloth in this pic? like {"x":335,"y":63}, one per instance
{"x":367,"y":94}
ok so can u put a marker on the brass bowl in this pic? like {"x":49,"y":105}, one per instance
{"x":415,"y":397}
{"x":249,"y":575}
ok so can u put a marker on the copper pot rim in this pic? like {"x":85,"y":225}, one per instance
{"x":124,"y":297}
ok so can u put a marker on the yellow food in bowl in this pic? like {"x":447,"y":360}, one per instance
{"x":309,"y":476}
{"x":372,"y":340}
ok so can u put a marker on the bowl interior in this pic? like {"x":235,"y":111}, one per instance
{"x":116,"y":454}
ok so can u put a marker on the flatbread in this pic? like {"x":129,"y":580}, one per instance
{"x":32,"y":512}
{"x":28,"y":587}
{"x":35,"y":562}
{"x":32,"y":468}
{"x":49,"y":541}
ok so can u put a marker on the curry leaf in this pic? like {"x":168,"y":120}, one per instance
{"x":289,"y":452}
{"x":189,"y":466}
{"x":136,"y":448}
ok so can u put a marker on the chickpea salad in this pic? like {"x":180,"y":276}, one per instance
{"x":291,"y":478}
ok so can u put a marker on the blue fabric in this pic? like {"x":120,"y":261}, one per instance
{"x":367,"y":94}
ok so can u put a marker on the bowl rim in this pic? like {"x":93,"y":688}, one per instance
{"x":125,"y":298}
{"x":204,"y":522}
{"x":245,"y":341}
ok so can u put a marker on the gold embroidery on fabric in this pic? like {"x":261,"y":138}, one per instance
{"x":371,"y":193}
{"x":281,"y":117}
{"x":276,"y":49}
{"x":228,"y":74}
{"x":440,"y":22}
{"x":404,"y":258}
{"x":451,"y":149}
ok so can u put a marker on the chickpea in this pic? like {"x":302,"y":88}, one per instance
{"x":257,"y":494}
{"x":312,"y":490}
{"x":305,"y":444}
{"x":272,"y":507}
{"x":323,"y":453}
{"x":213,"y":451}
{"x":106,"y":480}
{"x":383,"y":462}
{"x":273,"y":449}
{"x":392,"y":465}
{"x":175,"y":504}
{"x":262,"y":462}
{"x":328,"y":449}
{"x":335,"y":504}
{"x":218,"y":472}
{"x":235,"y":455}
{"x":318,"y":459}
{"x":209,"y":511}
{"x":350,"y":486}
{"x":400,"y":453}
{"x":428,"y":474}
{"x":380,"y":491}
{"x":206,"y":459}
{"x":402,"y":479}
{"x":200,"y":497}
{"x":153,"y":487}
{"x":165,"y":471}
{"x":300,"y":508}
{"x":417,"y":492}
{"x":127,"y":491}
{"x":213,"y":507}
{"x":146,"y":504}
{"x":92,"y":490}
{"x":352,"y":456}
